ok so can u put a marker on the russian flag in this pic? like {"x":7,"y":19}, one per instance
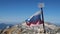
{"x":34,"y":19}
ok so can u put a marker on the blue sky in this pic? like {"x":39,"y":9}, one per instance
{"x":19,"y":10}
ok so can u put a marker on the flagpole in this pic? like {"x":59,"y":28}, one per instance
{"x":42,"y":16}
{"x":43,"y":20}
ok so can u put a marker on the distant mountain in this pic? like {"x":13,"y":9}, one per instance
{"x":3,"y":25}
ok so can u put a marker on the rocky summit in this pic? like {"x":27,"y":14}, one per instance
{"x":24,"y":29}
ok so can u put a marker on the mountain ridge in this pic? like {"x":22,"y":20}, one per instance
{"x":3,"y":25}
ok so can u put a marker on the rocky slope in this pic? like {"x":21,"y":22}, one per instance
{"x":24,"y":29}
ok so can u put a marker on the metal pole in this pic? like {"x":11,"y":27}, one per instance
{"x":43,"y":20}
